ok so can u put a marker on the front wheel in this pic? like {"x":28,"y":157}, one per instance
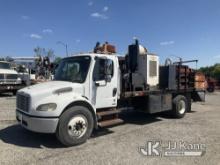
{"x":75,"y":126}
{"x":180,"y":106}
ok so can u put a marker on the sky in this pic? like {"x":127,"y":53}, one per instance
{"x":170,"y":28}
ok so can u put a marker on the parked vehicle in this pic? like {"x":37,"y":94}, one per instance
{"x":90,"y":90}
{"x":9,"y":80}
{"x":33,"y":70}
{"x":24,"y":75}
{"x":211,"y":84}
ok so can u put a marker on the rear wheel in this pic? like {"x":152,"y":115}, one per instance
{"x":180,"y":106}
{"x":75,"y":126}
{"x":210,"y":89}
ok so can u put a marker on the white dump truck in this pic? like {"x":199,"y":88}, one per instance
{"x":9,"y":79}
{"x":90,"y":90}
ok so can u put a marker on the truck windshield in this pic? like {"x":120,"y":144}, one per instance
{"x":4,"y":65}
{"x":73,"y":69}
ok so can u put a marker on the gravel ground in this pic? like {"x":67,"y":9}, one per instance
{"x":116,"y":145}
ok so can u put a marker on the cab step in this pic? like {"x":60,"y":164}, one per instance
{"x":111,"y":122}
{"x":109,"y":112}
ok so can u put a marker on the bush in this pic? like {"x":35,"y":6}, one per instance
{"x":212,"y":71}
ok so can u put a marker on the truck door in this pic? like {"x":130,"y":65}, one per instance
{"x":104,"y":83}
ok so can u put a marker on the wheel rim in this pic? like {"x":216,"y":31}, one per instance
{"x":182,"y":107}
{"x":77,"y":126}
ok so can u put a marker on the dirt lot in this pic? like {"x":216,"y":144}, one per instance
{"x":117,"y":145}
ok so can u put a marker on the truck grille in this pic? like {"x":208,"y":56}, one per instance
{"x":23,"y":102}
{"x":1,"y":76}
{"x":11,"y":76}
{"x":8,"y":78}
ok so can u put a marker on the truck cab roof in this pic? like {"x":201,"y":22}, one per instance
{"x":94,"y":55}
{"x":5,"y":62}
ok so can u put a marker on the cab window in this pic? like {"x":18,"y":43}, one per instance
{"x":103,"y":68}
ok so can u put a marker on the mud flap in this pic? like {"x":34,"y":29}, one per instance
{"x":198,"y":96}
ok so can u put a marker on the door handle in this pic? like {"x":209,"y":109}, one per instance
{"x":114,"y":92}
{"x":101,"y":83}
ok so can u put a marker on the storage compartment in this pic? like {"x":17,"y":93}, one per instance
{"x":159,"y":103}
{"x":168,"y":77}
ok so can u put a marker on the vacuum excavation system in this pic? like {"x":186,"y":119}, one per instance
{"x":90,"y":90}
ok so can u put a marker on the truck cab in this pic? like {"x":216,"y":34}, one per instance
{"x":9,"y":80}
{"x":87,"y":81}
{"x":89,"y":71}
{"x":23,"y":74}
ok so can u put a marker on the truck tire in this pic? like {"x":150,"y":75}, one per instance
{"x":211,"y":89}
{"x":180,"y":106}
{"x":75,"y":126}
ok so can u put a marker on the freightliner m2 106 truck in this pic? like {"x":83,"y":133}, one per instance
{"x":90,"y":90}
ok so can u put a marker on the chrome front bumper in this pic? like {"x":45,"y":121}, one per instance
{"x":37,"y":124}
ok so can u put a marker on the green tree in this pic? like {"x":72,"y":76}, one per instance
{"x":38,"y":51}
{"x":216,"y":71}
{"x":42,"y":52}
{"x":50,"y":53}
{"x":212,"y":71}
{"x":57,"y":60}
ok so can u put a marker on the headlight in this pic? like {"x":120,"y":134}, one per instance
{"x":47,"y":107}
{"x":18,"y":79}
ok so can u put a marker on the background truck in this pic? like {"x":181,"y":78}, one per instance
{"x":211,"y":84}
{"x":90,"y":90}
{"x":9,"y":80}
{"x":33,"y":70}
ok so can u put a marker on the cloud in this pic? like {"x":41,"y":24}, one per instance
{"x":35,"y":36}
{"x":218,"y":56}
{"x":105,"y":9}
{"x":165,"y":43}
{"x":98,"y":15}
{"x":90,"y":3}
{"x":48,"y":31}
{"x":78,"y":41}
{"x":25,"y":17}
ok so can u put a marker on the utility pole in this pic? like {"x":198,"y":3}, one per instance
{"x":65,"y":45}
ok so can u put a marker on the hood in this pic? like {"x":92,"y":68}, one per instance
{"x":47,"y":88}
{"x":8,"y":71}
